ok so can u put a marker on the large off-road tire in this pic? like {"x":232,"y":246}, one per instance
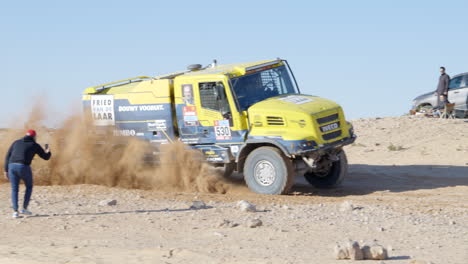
{"x":331,"y":177}
{"x":268,"y":171}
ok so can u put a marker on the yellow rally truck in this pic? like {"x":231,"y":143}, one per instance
{"x":248,"y":117}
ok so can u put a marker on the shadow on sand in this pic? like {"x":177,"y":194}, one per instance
{"x":122,"y":212}
{"x":366,"y":179}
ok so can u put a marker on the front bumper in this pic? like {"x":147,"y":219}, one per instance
{"x":326,"y":147}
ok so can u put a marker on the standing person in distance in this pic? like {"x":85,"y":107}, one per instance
{"x":17,"y":167}
{"x":442,"y":89}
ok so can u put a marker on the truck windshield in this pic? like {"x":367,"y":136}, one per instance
{"x":262,"y":85}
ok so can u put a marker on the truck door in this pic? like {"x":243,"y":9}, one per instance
{"x":216,"y":113}
{"x":211,"y":117}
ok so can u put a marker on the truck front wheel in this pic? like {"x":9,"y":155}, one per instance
{"x":268,"y":171}
{"x":329,"y":173}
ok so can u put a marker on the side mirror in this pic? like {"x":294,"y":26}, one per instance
{"x":228,"y":116}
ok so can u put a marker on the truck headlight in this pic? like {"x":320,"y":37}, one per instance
{"x":309,"y":144}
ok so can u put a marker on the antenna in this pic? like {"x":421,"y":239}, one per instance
{"x":214,"y":64}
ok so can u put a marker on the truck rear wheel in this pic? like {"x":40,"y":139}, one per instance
{"x":268,"y":171}
{"x":330,"y":173}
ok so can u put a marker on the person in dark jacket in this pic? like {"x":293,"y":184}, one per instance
{"x":17,"y":167}
{"x":442,"y":89}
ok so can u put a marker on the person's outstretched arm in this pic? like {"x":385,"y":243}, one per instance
{"x":43,"y":154}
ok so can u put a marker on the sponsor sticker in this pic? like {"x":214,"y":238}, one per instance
{"x":190,"y":140}
{"x":187,"y":94}
{"x":102,"y":109}
{"x":214,"y":159}
{"x":157,"y":125}
{"x":125,"y":133}
{"x":189,"y":110}
{"x":296,"y":99}
{"x":222,"y":130}
{"x":134,"y":108}
{"x":190,"y":116}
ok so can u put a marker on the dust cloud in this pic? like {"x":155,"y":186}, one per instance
{"x":80,"y":156}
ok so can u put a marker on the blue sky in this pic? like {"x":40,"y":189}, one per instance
{"x":372,"y":57}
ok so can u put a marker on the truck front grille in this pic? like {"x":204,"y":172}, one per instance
{"x":332,"y":135}
{"x":327,"y":119}
{"x":275,"y":121}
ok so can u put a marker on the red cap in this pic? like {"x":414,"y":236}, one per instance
{"x":31,"y":133}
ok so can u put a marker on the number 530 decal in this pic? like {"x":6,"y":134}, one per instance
{"x":222,"y":129}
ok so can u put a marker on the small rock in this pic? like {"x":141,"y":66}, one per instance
{"x":366,"y":252}
{"x":108,"y":202}
{"x":219,"y":234}
{"x":378,"y":252}
{"x":197,"y":205}
{"x":375,"y":252}
{"x":285,"y":207}
{"x":341,"y":253}
{"x":227,"y":223}
{"x":245,"y":206}
{"x":355,"y":252}
{"x":253,"y":223}
{"x":351,"y":250}
{"x":346,"y":206}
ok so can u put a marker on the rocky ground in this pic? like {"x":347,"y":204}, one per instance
{"x":407,"y":189}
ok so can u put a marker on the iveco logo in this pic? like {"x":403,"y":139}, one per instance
{"x":330,"y":127}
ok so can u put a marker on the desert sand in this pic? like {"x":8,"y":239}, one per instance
{"x":407,"y":189}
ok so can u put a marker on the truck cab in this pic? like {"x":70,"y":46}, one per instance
{"x":248,"y":117}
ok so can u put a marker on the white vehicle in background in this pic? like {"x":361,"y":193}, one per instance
{"x":457,"y":94}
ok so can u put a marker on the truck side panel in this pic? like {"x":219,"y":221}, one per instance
{"x":141,"y":109}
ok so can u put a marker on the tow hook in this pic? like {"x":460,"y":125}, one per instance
{"x":310,"y":162}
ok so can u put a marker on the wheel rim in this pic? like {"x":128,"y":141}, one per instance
{"x":265,"y":173}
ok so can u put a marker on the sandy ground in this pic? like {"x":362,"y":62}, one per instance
{"x":408,"y":183}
